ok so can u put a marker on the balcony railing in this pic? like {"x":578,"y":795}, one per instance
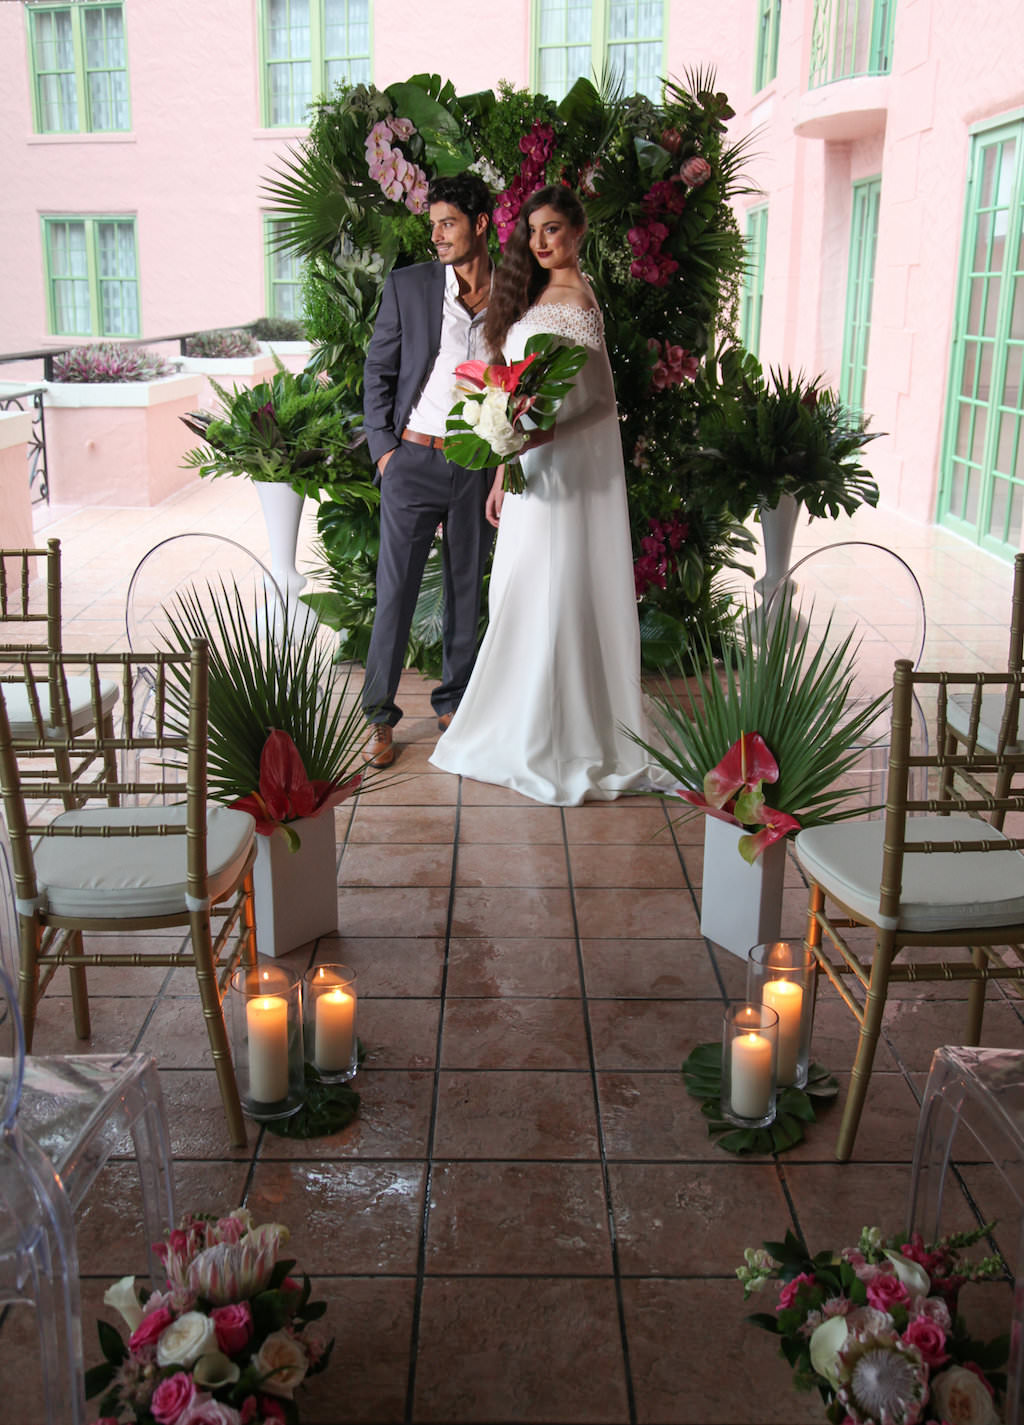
{"x":850,"y":38}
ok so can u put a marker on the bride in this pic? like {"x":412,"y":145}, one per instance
{"x":558,"y":673}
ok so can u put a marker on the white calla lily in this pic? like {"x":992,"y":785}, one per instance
{"x":911,"y":1274}
{"x":123,"y":1297}
{"x":827,"y":1341}
{"x":214,"y":1369}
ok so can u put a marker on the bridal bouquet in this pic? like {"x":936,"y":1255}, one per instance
{"x":485,"y":427}
{"x":875,"y":1328}
{"x":225,"y":1344}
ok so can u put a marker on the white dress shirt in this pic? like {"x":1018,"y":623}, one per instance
{"x":460,"y":341}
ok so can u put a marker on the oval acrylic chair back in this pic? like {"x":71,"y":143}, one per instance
{"x":199,"y":566}
{"x":864,"y":588}
{"x":38,"y":1257}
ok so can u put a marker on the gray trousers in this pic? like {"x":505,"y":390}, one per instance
{"x":420,"y":490}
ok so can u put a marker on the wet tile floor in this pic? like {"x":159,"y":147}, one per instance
{"x":527,"y":1222}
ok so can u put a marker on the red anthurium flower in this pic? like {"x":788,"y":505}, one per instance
{"x":285,"y":792}
{"x":506,"y":378}
{"x":747,"y":761}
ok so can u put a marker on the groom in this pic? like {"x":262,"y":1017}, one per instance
{"x":430,"y":320}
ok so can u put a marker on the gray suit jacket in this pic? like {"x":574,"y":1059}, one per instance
{"x":402,"y":349}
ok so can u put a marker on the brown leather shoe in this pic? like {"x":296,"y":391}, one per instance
{"x":379,"y":750}
{"x":444,"y":720}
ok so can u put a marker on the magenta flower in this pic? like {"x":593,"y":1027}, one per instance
{"x":930,"y":1340}
{"x":887,"y":1291}
{"x":150,"y":1329}
{"x":790,"y":1292}
{"x":172,"y":1398}
{"x":732,"y":792}
{"x":285,"y":792}
{"x":233,"y":1325}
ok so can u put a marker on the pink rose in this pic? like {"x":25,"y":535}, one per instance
{"x":233,"y":1325}
{"x":150,"y":1329}
{"x":887,"y":1291}
{"x":695,"y":171}
{"x":172,"y":1398}
{"x":788,"y":1294}
{"x":207,"y":1411}
{"x":272,"y":1409}
{"x":929,"y":1339}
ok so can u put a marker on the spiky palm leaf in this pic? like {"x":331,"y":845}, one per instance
{"x":798,"y":697}
{"x":262,"y":678}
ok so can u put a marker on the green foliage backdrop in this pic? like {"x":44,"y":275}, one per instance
{"x":662,"y":251}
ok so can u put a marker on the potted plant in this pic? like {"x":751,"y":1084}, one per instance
{"x":292,"y":437}
{"x":764,"y":747}
{"x":283,"y":744}
{"x":783,"y":441}
{"x":112,"y":430}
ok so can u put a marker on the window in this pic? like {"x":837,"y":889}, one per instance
{"x":981,"y":488}
{"x":309,"y":46}
{"x":91,"y":276}
{"x":850,"y":37}
{"x":766,"y":59}
{"x":284,"y":275}
{"x":860,"y":286}
{"x":752,"y":301}
{"x":578,"y":38}
{"x":79,"y":68}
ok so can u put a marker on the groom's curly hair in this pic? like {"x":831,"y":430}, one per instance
{"x":520,"y":279}
{"x":466,"y":191}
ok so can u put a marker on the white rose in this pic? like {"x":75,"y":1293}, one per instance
{"x":287,"y":1358}
{"x":186,"y":1339}
{"x":960,"y":1398}
{"x":494,"y":425}
{"x":470,"y":413}
{"x":214,"y":1369}
{"x":911,"y":1274}
{"x":827,"y":1341}
{"x":122,"y":1297}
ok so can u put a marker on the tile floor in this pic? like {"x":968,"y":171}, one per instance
{"x":527,"y":1222}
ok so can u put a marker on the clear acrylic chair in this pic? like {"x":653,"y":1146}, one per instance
{"x":860,"y":587}
{"x":981,"y":1092}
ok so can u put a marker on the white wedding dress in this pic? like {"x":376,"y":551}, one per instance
{"x":558,"y":673}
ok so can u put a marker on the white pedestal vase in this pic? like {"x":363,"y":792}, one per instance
{"x":741,"y":904}
{"x":296,"y":892}
{"x":282,"y":512}
{"x":778,"y":526}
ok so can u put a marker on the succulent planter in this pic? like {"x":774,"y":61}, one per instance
{"x":227,"y":371}
{"x":118,"y":443}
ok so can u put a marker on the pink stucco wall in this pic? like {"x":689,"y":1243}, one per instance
{"x":193,"y":165}
{"x":15,"y":500}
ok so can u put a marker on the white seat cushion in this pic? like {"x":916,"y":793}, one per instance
{"x":993,"y":702}
{"x":125,"y":877}
{"x":19,"y":710}
{"x":942,"y":890}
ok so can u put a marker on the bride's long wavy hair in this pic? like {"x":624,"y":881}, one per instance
{"x":520,"y":279}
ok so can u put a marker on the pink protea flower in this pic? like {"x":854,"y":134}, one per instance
{"x":695,"y":171}
{"x":232,"y":1272}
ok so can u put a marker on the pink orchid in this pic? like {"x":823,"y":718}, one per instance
{"x":482,"y":375}
{"x":401,"y":128}
{"x":286,"y":792}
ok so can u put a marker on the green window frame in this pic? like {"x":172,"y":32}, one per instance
{"x":981,"y":485}
{"x":752,"y":300}
{"x":850,"y":38}
{"x":766,"y":51}
{"x":79,"y":60}
{"x":284,"y":274}
{"x":860,"y":286}
{"x":576,"y":39}
{"x":306,"y":48}
{"x":92,"y":275}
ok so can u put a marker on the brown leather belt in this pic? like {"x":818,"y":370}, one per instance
{"x":436,"y":442}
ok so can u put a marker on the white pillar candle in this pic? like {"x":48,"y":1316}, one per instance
{"x":787,"y":1000}
{"x":266,"y":1018}
{"x":750,"y":1089}
{"x":335,"y":1030}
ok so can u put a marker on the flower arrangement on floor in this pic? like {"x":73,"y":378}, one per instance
{"x":227,"y":1343}
{"x":657,"y":178}
{"x":485,"y":428}
{"x":874,"y":1328}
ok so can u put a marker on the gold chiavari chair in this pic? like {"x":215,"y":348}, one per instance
{"x":155,"y":863}
{"x":934,"y":872}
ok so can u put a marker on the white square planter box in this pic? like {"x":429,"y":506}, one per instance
{"x":296,"y":892}
{"x":740,"y":904}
